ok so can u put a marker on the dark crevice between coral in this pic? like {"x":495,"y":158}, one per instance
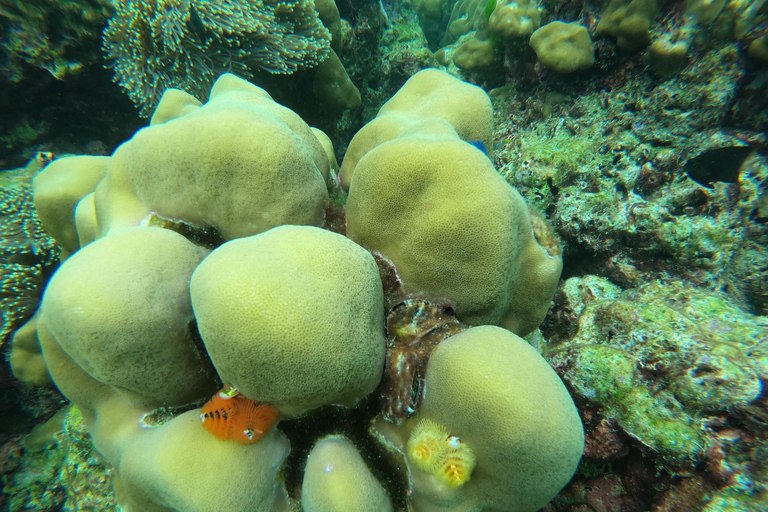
{"x":23,"y":406}
{"x":354,"y":424}
{"x":202,"y":353}
{"x":207,"y":237}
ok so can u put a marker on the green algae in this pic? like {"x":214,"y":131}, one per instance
{"x":661,"y":359}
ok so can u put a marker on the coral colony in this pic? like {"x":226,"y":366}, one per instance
{"x":429,"y":256}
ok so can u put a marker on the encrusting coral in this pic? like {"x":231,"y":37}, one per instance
{"x":150,"y":315}
{"x":186,"y":44}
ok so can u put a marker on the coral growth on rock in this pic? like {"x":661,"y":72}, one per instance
{"x":147,"y":315}
{"x":57,"y":36}
{"x":59,"y":470}
{"x":676,"y":373}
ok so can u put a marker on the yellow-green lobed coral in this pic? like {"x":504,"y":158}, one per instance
{"x":139,"y":318}
{"x":492,"y":391}
{"x":302,"y":304}
{"x":514,"y":18}
{"x":337,"y":479}
{"x":435,"y":206}
{"x":563,"y":47}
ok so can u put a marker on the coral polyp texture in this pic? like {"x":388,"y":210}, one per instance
{"x":523,"y":455}
{"x":300,"y":303}
{"x":228,"y":351}
{"x":159,"y":44}
{"x":433,"y":204}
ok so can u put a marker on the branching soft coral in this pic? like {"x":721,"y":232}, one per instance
{"x":186,"y":44}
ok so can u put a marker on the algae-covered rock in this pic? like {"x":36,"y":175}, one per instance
{"x":661,"y":358}
{"x":69,"y":474}
{"x":629,"y":21}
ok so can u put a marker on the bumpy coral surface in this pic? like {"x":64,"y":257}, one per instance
{"x":316,"y":340}
{"x":187,"y":271}
{"x":434,"y":205}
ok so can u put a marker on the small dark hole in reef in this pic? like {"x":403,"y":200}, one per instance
{"x":702,"y":370}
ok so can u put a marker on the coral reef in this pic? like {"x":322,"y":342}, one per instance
{"x":511,"y":19}
{"x":293,"y":316}
{"x":676,"y":372}
{"x":656,"y":336}
{"x":62,"y":472}
{"x":414,"y":327}
{"x":187,"y":44}
{"x":449,"y":232}
{"x":607,"y":168}
{"x":333,"y":468}
{"x":475,"y":391}
{"x":27,"y":257}
{"x":563,"y":47}
{"x":56,"y":36}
